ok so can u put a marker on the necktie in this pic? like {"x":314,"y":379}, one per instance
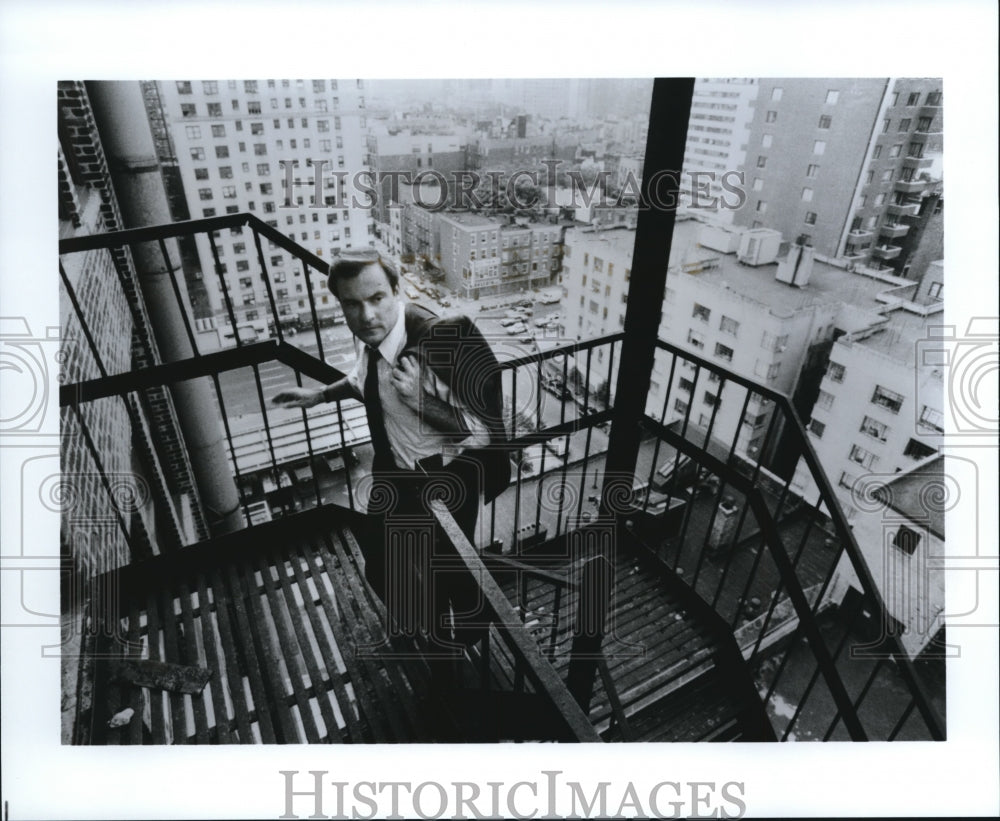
{"x":373,"y":408}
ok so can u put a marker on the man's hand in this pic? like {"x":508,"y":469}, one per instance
{"x":298,"y":398}
{"x":407,"y":382}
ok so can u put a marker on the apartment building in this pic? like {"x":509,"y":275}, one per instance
{"x":717,"y":138}
{"x":286,"y":151}
{"x":880,"y":407}
{"x":412,"y":153}
{"x":484,"y":256}
{"x":846,"y":163}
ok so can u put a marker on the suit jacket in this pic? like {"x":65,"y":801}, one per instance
{"x":458,"y":354}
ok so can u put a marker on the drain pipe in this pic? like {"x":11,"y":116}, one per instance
{"x":120,"y":113}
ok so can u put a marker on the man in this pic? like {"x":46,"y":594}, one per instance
{"x":432,"y":392}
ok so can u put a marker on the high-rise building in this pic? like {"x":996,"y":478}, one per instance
{"x":847,"y":164}
{"x":288,"y":151}
{"x":717,"y":139}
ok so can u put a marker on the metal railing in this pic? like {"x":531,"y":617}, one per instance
{"x":714,"y":499}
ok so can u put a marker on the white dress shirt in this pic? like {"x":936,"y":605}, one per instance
{"x":410,"y":438}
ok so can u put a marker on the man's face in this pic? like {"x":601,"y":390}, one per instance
{"x":369,"y":303}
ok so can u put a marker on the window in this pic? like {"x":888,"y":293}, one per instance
{"x":906,"y":540}
{"x":766,"y":141}
{"x":723,"y":352}
{"x":835,"y":371}
{"x":229,"y":192}
{"x":863,"y":457}
{"x":887,"y":175}
{"x":761,"y":206}
{"x":701,"y":312}
{"x":918,"y":450}
{"x":807,"y":195}
{"x":819,"y":147}
{"x":215,"y":109}
{"x":811,"y":171}
{"x":933,"y":98}
{"x":913,"y":99}
{"x":208,"y":212}
{"x":846,"y":480}
{"x":225,"y":172}
{"x":771,"y":116}
{"x":936,"y":290}
{"x":776,"y":94}
{"x":710,"y":399}
{"x":681,"y":406}
{"x":188,"y":110}
{"x":685,"y":384}
{"x":729,"y":326}
{"x":824,"y":121}
{"x":817,"y":428}
{"x":887,"y":399}
{"x":218,"y":131}
{"x":263,"y":169}
{"x":810,"y":218}
{"x":201,"y":173}
{"x":260,"y":149}
{"x":915,"y":150}
{"x":696,"y":339}
{"x":250,"y":86}
{"x":256,"y":129}
{"x":876,"y":152}
{"x":832,"y":96}
{"x":192,"y":132}
{"x":205,"y":193}
{"x":210,"y":87}
{"x":933,"y":419}
{"x":758,"y":184}
{"x":825,"y":400}
{"x":253,"y":107}
{"x":874,"y":428}
{"x":761,"y":162}
{"x":904,"y":124}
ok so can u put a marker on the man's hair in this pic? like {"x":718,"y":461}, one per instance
{"x":351,"y":263}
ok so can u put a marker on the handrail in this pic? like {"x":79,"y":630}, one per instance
{"x":858,"y":562}
{"x":541,"y":673}
{"x":254,"y":353}
{"x":170,"y":230}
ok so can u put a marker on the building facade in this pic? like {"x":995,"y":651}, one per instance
{"x":287,"y":151}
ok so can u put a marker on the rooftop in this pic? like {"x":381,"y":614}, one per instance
{"x":918,"y":495}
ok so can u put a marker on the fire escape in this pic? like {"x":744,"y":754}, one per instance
{"x":651,"y":582}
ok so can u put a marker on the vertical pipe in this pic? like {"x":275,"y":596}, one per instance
{"x":121,"y":119}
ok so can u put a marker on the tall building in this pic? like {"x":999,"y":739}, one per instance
{"x":844,"y":163}
{"x":717,"y":138}
{"x":264,"y":146}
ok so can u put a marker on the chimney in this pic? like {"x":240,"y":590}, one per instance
{"x":796,"y":267}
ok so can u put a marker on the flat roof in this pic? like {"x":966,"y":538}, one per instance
{"x":827,"y":284}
